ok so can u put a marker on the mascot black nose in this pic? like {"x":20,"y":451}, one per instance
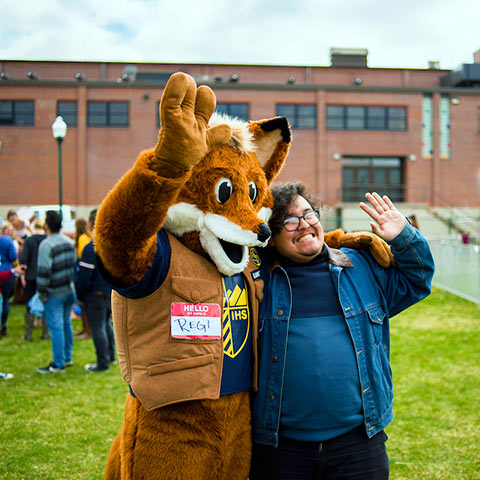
{"x":263,"y":232}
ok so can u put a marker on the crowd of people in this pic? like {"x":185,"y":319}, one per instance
{"x":44,"y":268}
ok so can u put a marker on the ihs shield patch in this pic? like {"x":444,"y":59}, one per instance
{"x":236,"y":316}
{"x":255,"y":257}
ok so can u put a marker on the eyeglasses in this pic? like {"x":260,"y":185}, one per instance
{"x":292,"y":223}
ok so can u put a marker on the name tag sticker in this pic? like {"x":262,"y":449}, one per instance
{"x":196,"y":320}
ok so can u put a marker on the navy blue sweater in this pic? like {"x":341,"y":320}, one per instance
{"x":88,"y":279}
{"x":321,"y":396}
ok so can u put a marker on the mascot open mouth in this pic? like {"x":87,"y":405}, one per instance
{"x":233,"y":251}
{"x":216,"y":234}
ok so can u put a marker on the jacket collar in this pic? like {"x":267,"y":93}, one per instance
{"x":335,"y":257}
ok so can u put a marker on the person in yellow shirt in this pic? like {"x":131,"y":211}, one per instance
{"x":82,"y":238}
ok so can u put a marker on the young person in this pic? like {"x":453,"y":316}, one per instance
{"x":56,"y":259}
{"x":94,"y":293}
{"x":325,"y":387}
{"x":29,"y":260}
{"x":8,"y":255}
{"x":5,"y":275}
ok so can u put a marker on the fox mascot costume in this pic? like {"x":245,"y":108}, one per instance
{"x":177,"y":237}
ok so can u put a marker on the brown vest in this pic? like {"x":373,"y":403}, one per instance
{"x":161,"y":369}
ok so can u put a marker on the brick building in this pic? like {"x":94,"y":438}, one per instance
{"x":411,"y":133}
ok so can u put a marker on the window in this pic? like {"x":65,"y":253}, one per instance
{"x":355,"y":118}
{"x":238,"y":110}
{"x":107,"y":114}
{"x":444,"y":127}
{"x":376,"y":118}
{"x":299,"y":116}
{"x":427,"y":126}
{"x":335,"y":117}
{"x":348,"y":117}
{"x":368,"y":174}
{"x":152,"y":76}
{"x":68,"y":111}
{"x":17,"y":112}
{"x":397,"y":118}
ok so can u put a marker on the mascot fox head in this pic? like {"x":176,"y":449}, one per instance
{"x":225,"y":206}
{"x":206,"y":182}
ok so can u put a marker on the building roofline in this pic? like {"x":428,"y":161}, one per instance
{"x":241,"y":86}
{"x":225,"y":64}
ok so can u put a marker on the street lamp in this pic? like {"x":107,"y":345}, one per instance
{"x":59,"y":129}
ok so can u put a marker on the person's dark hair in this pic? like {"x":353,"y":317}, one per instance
{"x":11,"y":213}
{"x":54,"y":221}
{"x":414,"y":222}
{"x":283,"y":196}
{"x":92,"y":217}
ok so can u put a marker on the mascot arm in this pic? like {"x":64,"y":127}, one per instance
{"x":131,"y":215}
{"x":129,"y":218}
{"x":362,"y":241}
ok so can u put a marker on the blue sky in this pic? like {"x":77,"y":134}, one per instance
{"x":294,"y":32}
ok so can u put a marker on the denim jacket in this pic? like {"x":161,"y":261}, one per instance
{"x":369,"y":295}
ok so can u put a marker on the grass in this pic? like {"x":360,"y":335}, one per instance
{"x":61,"y":426}
{"x":55,"y":426}
{"x":436,"y":371}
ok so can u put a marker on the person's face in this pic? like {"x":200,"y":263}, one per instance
{"x":13,"y":219}
{"x":301,"y":245}
{"x":8,"y":230}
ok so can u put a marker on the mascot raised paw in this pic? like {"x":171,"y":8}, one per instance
{"x":179,"y":238}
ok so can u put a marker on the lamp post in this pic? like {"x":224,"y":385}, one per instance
{"x":59,"y":129}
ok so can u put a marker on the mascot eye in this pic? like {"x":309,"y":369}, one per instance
{"x":252,"y":191}
{"x":223,"y":190}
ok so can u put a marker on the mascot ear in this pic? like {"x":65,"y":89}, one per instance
{"x":272,"y":139}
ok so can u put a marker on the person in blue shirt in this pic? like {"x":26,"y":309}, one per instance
{"x":325,"y":388}
{"x":5,"y":275}
{"x":8,"y":255}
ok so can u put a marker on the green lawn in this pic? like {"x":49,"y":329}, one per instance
{"x":436,"y":371}
{"x":61,"y":426}
{"x":55,"y":426}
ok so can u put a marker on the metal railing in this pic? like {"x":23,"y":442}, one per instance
{"x":457,"y":267}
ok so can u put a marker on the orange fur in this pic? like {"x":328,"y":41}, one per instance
{"x":176,"y":442}
{"x":334,"y":238}
{"x":226,"y":162}
{"x":369,"y":241}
